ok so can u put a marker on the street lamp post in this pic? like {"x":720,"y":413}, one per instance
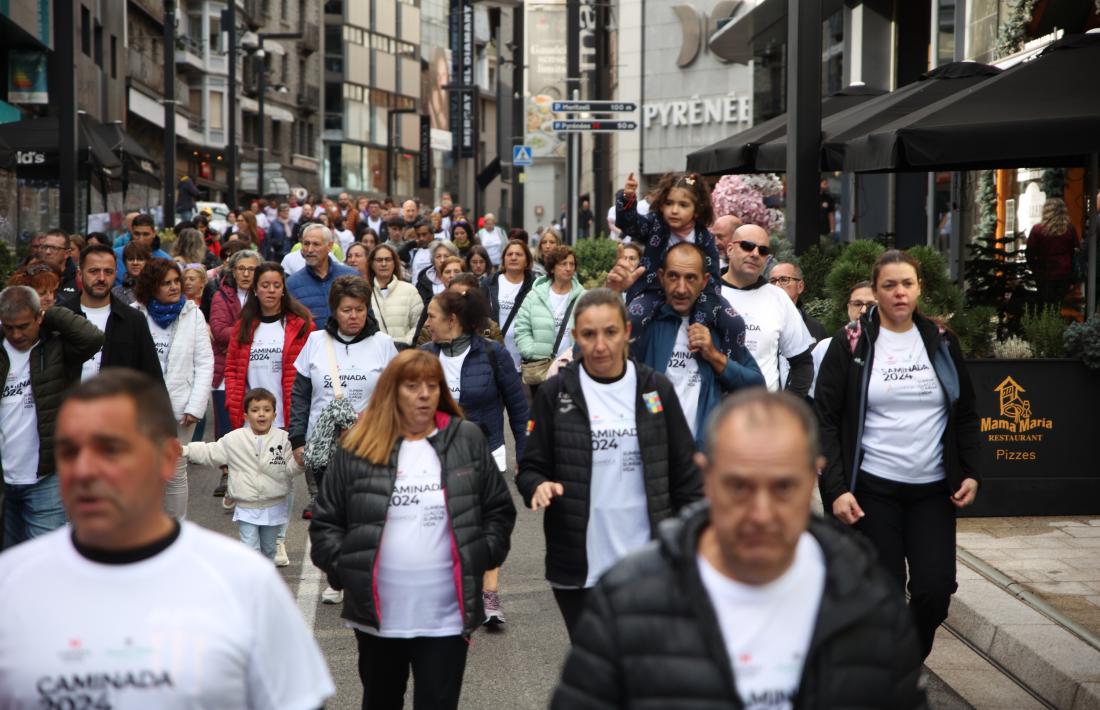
{"x":260,"y":101}
{"x":391,"y":145}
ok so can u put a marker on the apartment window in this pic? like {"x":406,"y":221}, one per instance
{"x":215,"y":112}
{"x":114,"y":57}
{"x":85,"y":31}
{"x":276,"y":136}
{"x":97,"y":45}
{"x":284,"y":9}
{"x":215,"y":36}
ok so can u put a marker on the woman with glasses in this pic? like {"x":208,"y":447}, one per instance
{"x":396,"y":302}
{"x":134,"y":257}
{"x":225,"y":310}
{"x":860,"y":298}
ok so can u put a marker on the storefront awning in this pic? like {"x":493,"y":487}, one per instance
{"x":1036,"y":114}
{"x":737,"y":154}
{"x":272,"y":111}
{"x":859,"y":120}
{"x":136,"y":161}
{"x":31,"y":147}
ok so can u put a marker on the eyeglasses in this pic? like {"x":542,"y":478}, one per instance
{"x":135,"y":260}
{"x":861,"y":304}
{"x":51,"y":248}
{"x":245,"y":269}
{"x":35,"y":269}
{"x":783,"y":280}
{"x":382,"y":259}
{"x":748,"y":247}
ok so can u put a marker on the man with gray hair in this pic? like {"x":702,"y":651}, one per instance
{"x":311,"y":284}
{"x":788,"y":276}
{"x":42,"y":356}
{"x":745,"y":599}
{"x":493,"y":239}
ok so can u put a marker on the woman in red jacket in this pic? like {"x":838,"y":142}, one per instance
{"x":266,"y":341}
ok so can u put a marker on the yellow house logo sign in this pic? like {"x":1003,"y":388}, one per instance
{"x":1016,"y":419}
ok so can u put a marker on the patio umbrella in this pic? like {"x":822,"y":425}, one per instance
{"x":1045,"y":112}
{"x":736,"y":154}
{"x":863,"y":118}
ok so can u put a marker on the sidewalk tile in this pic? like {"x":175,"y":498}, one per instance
{"x":1048,"y":658}
{"x":1060,"y":588}
{"x":1090,"y":531}
{"x":1088,"y":697}
{"x":1094,"y":598}
{"x":987,"y":689}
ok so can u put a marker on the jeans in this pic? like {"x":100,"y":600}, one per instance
{"x":221,"y":415}
{"x":175,"y":496}
{"x":32,"y":509}
{"x":571,"y":604}
{"x":281,"y":537}
{"x":437,"y":665}
{"x":259,"y":537}
{"x":913,"y":523}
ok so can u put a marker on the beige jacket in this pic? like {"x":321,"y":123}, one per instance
{"x":256,"y":480}
{"x":399,"y":312}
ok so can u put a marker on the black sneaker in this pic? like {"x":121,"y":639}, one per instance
{"x":219,"y":490}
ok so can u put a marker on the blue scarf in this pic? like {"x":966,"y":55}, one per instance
{"x":164,"y":314}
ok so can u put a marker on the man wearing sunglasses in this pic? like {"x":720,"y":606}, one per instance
{"x":773,"y":326}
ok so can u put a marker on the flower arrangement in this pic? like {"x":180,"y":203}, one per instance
{"x":733,"y":195}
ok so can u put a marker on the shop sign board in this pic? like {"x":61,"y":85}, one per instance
{"x":27,"y":79}
{"x":1036,"y":429}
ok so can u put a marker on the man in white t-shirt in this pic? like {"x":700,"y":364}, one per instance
{"x":129,"y":608}
{"x":747,"y":601}
{"x":773,"y":326}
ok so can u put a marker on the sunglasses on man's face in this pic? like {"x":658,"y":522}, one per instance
{"x":747,"y":247}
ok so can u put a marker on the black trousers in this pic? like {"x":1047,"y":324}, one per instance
{"x":571,"y":604}
{"x":913,"y":523}
{"x":437,"y":666}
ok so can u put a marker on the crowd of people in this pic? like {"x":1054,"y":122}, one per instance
{"x":674,"y":427}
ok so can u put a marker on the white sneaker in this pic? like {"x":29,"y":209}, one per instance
{"x":331,"y":596}
{"x":281,"y":559}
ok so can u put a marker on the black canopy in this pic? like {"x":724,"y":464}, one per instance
{"x":136,"y":161}
{"x":838,"y":129}
{"x":1045,"y":112}
{"x":30,"y":148}
{"x":737,"y":153}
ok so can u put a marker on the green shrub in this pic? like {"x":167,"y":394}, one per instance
{"x":850,"y":267}
{"x":1044,"y":328}
{"x":1082,"y":340}
{"x":595,"y":257}
{"x":940,"y":296}
{"x":815,"y":265}
{"x":975,"y":327}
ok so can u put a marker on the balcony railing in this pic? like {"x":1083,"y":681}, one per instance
{"x":311,"y":38}
{"x":309,"y":99}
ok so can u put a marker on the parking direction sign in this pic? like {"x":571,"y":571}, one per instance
{"x":594,"y":106}
{"x":588,"y":126}
{"x":521,"y":156}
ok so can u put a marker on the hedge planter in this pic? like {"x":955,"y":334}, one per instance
{"x":1040,"y":437}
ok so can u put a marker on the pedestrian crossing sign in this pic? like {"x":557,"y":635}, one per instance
{"x":521,"y":156}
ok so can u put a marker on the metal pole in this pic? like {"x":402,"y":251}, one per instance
{"x":67,"y":144}
{"x":803,"y":120}
{"x":229,"y":22}
{"x":519,"y":117}
{"x":574,"y":180}
{"x":572,"y":84}
{"x":1092,"y":181}
{"x":391,"y":174}
{"x":260,"y":101}
{"x":169,"y":170}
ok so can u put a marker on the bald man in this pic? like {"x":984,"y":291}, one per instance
{"x":773,"y":326}
{"x":723,"y":229}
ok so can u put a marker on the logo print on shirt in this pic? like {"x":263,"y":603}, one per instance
{"x":653,"y":402}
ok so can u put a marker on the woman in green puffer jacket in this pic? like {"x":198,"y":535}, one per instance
{"x":548,"y":307}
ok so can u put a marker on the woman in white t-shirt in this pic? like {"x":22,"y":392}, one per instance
{"x":608,"y":437}
{"x":900,"y":432}
{"x":412,"y":513}
{"x":507,"y":290}
{"x":182,"y":342}
{"x":492,"y":238}
{"x":860,"y":298}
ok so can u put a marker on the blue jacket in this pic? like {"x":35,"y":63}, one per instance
{"x":653,"y":345}
{"x":276,"y":242}
{"x":312,"y":291}
{"x":485,"y":384}
{"x":120,"y":263}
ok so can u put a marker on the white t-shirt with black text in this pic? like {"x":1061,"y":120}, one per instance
{"x":559,"y":304}
{"x":18,"y":420}
{"x":507,"y":293}
{"x":618,"y":520}
{"x":767,"y":628}
{"x":360,"y":366}
{"x":416,"y":584}
{"x":906,"y":412}
{"x":97,"y":317}
{"x":773,"y":327}
{"x":683,"y":372}
{"x":265,"y":364}
{"x":162,"y":342}
{"x":206,"y":623}
{"x":452,"y":371}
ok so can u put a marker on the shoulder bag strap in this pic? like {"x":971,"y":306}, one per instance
{"x":378,"y":311}
{"x":564,"y":325}
{"x":334,"y":369}
{"x":515,"y":308}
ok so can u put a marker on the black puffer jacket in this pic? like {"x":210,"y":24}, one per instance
{"x":650,"y":638}
{"x":840,"y":402}
{"x":559,"y":448}
{"x":350,"y":513}
{"x":65,"y":341}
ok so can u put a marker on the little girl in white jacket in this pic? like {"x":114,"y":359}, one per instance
{"x":261,"y":471}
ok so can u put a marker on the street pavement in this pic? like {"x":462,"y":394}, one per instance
{"x":512,"y":669}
